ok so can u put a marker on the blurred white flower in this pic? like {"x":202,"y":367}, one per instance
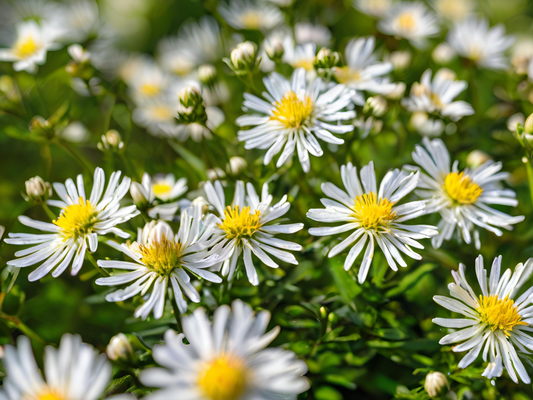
{"x":473,"y":39}
{"x":374,"y":8}
{"x":251,"y":14}
{"x":400,"y":59}
{"x":454,"y":10}
{"x":294,"y":116}
{"x":443,"y":53}
{"x":522,"y":54}
{"x":306,"y":32}
{"x":493,"y":321}
{"x":226,"y":359}
{"x":374,"y":215}
{"x":514,"y":120}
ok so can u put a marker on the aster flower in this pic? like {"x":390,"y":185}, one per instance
{"x":159,"y":194}
{"x":73,"y":371}
{"x":148,"y":81}
{"x":306,"y":32}
{"x":226,"y":359}
{"x":453,"y":10}
{"x":363,"y":71}
{"x":437,"y":95}
{"x":462,"y":197}
{"x":248,"y":226}
{"x":294,"y":116}
{"x":473,"y":39}
{"x":494,"y":321}
{"x":30,"y":46}
{"x":77,"y":228}
{"x":157,"y":115}
{"x":162,"y":260}
{"x":251,"y":14}
{"x":374,"y":8}
{"x":374,"y":216}
{"x":410,"y":20}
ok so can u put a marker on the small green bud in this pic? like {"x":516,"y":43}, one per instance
{"x":37,"y":190}
{"x":207,"y":74}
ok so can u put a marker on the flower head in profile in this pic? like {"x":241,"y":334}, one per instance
{"x":225,"y":359}
{"x":497,"y":323}
{"x":363,"y":70}
{"x":437,"y":97}
{"x":294,"y":115}
{"x":411,"y":20}
{"x":75,"y":370}
{"x":462,"y":198}
{"x":251,"y":14}
{"x":81,"y":220}
{"x":30,"y":46}
{"x":248,"y":226}
{"x":161,"y":260}
{"x":374,"y":215}
{"x":472,"y":38}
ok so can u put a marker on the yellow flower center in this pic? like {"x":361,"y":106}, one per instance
{"x":163,"y":256}
{"x":304,"y":63}
{"x":223,"y":378}
{"x":435,"y":98}
{"x":291,"y":111}
{"x":149,"y":89}
{"x":162,"y":113}
{"x":499,"y":313}
{"x":240,"y":223}
{"x":406,"y":21}
{"x":461,"y":188}
{"x":251,"y":20}
{"x":161,"y":188}
{"x":46,"y":394}
{"x":372,"y":212}
{"x":25,"y":47}
{"x":77,"y":220}
{"x":346,"y":75}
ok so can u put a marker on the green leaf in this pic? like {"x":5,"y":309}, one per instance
{"x":410,"y":280}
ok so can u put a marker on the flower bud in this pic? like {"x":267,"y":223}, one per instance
{"x":215,"y":173}
{"x":436,"y":384}
{"x":398,"y":92}
{"x":79,"y":66}
{"x":236,"y":165}
{"x":528,"y":125}
{"x":41,"y":126}
{"x":274,"y":49}
{"x":243,"y":57}
{"x":37,"y":190}
{"x":375,"y":105}
{"x":476,"y":157}
{"x":443,"y":53}
{"x":191,"y":106}
{"x":111,"y":141}
{"x":326,"y":59}
{"x":400,"y":60}
{"x":119,"y":348}
{"x":139,"y":195}
{"x":207,"y":74}
{"x":514,"y":120}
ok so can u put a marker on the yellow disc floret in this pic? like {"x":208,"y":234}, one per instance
{"x":150,"y":90}
{"x":499,"y":314}
{"x":406,"y":21}
{"x":161,"y":188}
{"x":162,"y":256}
{"x":461,"y":189}
{"x":239,"y":223}
{"x":47,"y":394}
{"x":292,"y":111}
{"x":224,"y":378}
{"x":77,"y":220}
{"x":26,"y":47}
{"x":372,"y":212}
{"x":346,"y":75}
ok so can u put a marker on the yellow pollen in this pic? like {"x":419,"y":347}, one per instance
{"x":251,"y":20}
{"x":48,"y":394}
{"x":347,"y":75}
{"x":372,"y":212}
{"x":304,"y":63}
{"x":163,"y":256}
{"x":239,"y":223}
{"x":224,"y":378}
{"x":162,"y":113}
{"x":77,"y":220}
{"x":161,"y":188}
{"x":149,"y":89}
{"x":25,"y":47}
{"x":406,"y":21}
{"x":499,"y":313}
{"x":291,"y":111}
{"x":435,"y":98}
{"x":461,"y":188}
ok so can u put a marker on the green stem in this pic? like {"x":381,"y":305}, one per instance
{"x":129,"y":168}
{"x":15,"y":322}
{"x":49,"y":212}
{"x":530,"y":177}
{"x":47,"y":158}
{"x":177,"y":314}
{"x":93,"y":262}
{"x":83,"y":163}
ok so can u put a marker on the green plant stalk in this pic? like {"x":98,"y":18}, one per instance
{"x":83,"y":163}
{"x":93,"y":262}
{"x":529,"y":169}
{"x":49,"y":212}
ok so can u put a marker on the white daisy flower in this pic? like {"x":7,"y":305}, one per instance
{"x":194,"y":45}
{"x":410,"y":20}
{"x":363,"y":70}
{"x":294,"y":116}
{"x":78,"y":20}
{"x":437,"y":95}
{"x":226,"y":359}
{"x":373,"y":215}
{"x":473,"y":39}
{"x":454,"y":10}
{"x":251,"y":14}
{"x":249,"y":226}
{"x":374,"y":8}
{"x":30,"y":47}
{"x":463,"y":197}
{"x":148,"y":81}
{"x":493,"y":321}
{"x":157,"y":115}
{"x":77,"y":228}
{"x":306,"y":32}
{"x":162,"y":260}
{"x":75,"y":370}
{"x":159,"y":194}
